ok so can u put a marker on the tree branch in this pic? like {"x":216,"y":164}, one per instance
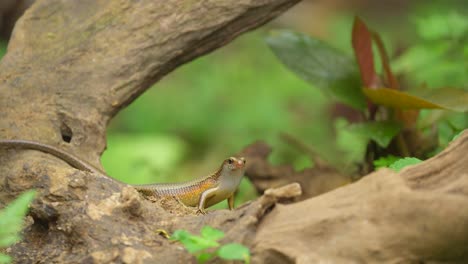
{"x":418,"y":215}
{"x":72,"y":65}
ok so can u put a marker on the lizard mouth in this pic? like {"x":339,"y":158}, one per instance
{"x":239,"y":165}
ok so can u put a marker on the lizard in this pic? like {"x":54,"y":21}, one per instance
{"x":202,"y":192}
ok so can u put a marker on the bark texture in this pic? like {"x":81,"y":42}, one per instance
{"x":416,"y":216}
{"x":72,"y":65}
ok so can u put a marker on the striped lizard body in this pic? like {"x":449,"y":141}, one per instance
{"x":203,"y":192}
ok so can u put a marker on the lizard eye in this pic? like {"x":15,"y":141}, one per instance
{"x":230,"y":161}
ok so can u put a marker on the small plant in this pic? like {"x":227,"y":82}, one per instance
{"x":401,"y":163}
{"x":389,"y":116}
{"x":11,"y":221}
{"x":206,"y":247}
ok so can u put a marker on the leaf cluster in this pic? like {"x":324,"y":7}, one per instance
{"x":387,"y":109}
{"x":11,"y":221}
{"x":202,"y":246}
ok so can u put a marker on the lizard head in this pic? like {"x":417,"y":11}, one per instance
{"x":231,"y":172}
{"x":234,"y":164}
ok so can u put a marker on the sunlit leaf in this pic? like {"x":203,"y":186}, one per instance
{"x":362,"y":45}
{"x":401,"y":163}
{"x":380,"y":132}
{"x":457,"y":135}
{"x":204,"y":257}
{"x":193,"y":243}
{"x":443,"y":98}
{"x":317,"y":62}
{"x":352,"y":145}
{"x":11,"y":218}
{"x":180,"y":234}
{"x":234,"y":251}
{"x":211,"y":233}
{"x":385,"y":161}
{"x":449,"y":98}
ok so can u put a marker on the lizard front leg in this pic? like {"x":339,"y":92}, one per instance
{"x":204,"y":196}
{"x":230,"y":201}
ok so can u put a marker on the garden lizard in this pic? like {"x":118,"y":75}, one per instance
{"x":203,"y":192}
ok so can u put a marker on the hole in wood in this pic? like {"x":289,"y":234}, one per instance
{"x":66,"y":132}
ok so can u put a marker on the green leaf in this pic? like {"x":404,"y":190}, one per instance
{"x":381,"y":132}
{"x":385,"y":161}
{"x":211,"y":233}
{"x":351,"y":145}
{"x":457,"y":135}
{"x":5,"y":259}
{"x":442,"y":98}
{"x":318,"y":63}
{"x":401,"y":163}
{"x":234,"y":251}
{"x":447,"y":97}
{"x":179,"y":235}
{"x":11,"y":218}
{"x":193,"y":243}
{"x":204,"y":257}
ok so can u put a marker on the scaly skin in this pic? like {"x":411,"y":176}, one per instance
{"x":203,"y":192}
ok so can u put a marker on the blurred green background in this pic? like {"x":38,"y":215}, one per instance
{"x":211,"y":108}
{"x":208,"y":110}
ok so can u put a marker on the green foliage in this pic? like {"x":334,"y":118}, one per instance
{"x":401,"y":163}
{"x":11,"y":220}
{"x":448,"y":127}
{"x":395,"y":163}
{"x":193,"y":243}
{"x":3,"y":48}
{"x":353,"y":144}
{"x":387,"y":100}
{"x":211,"y":233}
{"x":385,"y":161}
{"x":234,"y":251}
{"x":457,"y":135}
{"x":320,"y":64}
{"x":439,"y":59}
{"x":200,"y":246}
{"x":380,"y":132}
{"x":450,"y":25}
{"x":217,"y":104}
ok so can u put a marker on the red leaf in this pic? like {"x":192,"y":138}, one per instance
{"x":362,"y":45}
{"x":388,"y":74}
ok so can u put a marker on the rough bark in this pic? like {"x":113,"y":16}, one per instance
{"x":72,"y":65}
{"x":419,"y":215}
